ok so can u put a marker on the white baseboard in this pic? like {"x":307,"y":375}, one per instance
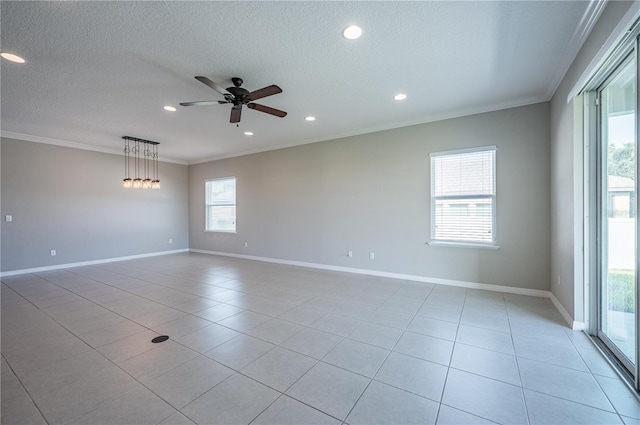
{"x":449,"y":282}
{"x":416,"y":278}
{"x":89,"y":263}
{"x":576,"y":326}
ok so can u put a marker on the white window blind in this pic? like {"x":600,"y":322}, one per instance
{"x":220,"y":200}
{"x":463,"y":196}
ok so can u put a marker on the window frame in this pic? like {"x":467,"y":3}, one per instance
{"x":207,"y":205}
{"x":464,"y":243}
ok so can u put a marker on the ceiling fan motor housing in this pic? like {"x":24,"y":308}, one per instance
{"x":240,"y":95}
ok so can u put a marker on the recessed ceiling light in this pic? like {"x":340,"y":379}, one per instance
{"x":248,"y":133}
{"x":310,"y":118}
{"x":169,"y":108}
{"x":400,"y":96}
{"x":11,"y":57}
{"x":352,"y":32}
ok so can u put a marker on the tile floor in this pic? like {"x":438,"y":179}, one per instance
{"x":261,"y":343}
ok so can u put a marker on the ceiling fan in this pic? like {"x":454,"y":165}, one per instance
{"x":239,"y":96}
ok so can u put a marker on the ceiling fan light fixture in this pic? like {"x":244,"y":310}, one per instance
{"x":310,"y":118}
{"x":169,"y":108}
{"x":248,"y":133}
{"x":400,"y":96}
{"x":352,"y":32}
{"x":11,"y":57}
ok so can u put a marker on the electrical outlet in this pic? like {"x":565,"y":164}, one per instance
{"x":8,"y":218}
{"x":246,"y":244}
{"x":170,"y":240}
{"x":350,"y":254}
{"x":53,"y":253}
{"x":372,"y":256}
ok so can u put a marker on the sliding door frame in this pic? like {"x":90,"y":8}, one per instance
{"x":593,"y":231}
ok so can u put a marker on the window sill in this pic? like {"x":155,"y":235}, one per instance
{"x":462,"y":245}
{"x":221,"y":231}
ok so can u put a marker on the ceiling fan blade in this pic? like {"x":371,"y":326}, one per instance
{"x":268,"y":110}
{"x":235,"y":114}
{"x":213,"y":85}
{"x":264,"y":92}
{"x":202,"y":103}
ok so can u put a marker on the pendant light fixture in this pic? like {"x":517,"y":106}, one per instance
{"x":127,"y":183}
{"x":137,"y":181}
{"x":155,"y":183}
{"x":147,"y":166}
{"x":146,"y":183}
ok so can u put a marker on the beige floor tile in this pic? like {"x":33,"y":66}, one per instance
{"x":183,"y":384}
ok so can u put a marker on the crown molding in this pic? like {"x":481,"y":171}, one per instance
{"x":458,"y":113}
{"x":578,"y":38}
{"x":608,"y":48}
{"x":74,"y":145}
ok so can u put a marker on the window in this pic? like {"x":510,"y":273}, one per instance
{"x":220,"y":199}
{"x":463,"y":196}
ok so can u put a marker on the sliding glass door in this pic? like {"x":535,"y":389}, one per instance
{"x":616,"y":205}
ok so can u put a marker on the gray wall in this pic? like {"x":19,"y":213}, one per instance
{"x":566,"y":172}
{"x":370,"y":193}
{"x":72,"y":201}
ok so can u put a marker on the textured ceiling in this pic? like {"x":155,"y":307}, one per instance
{"x":96,"y":71}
